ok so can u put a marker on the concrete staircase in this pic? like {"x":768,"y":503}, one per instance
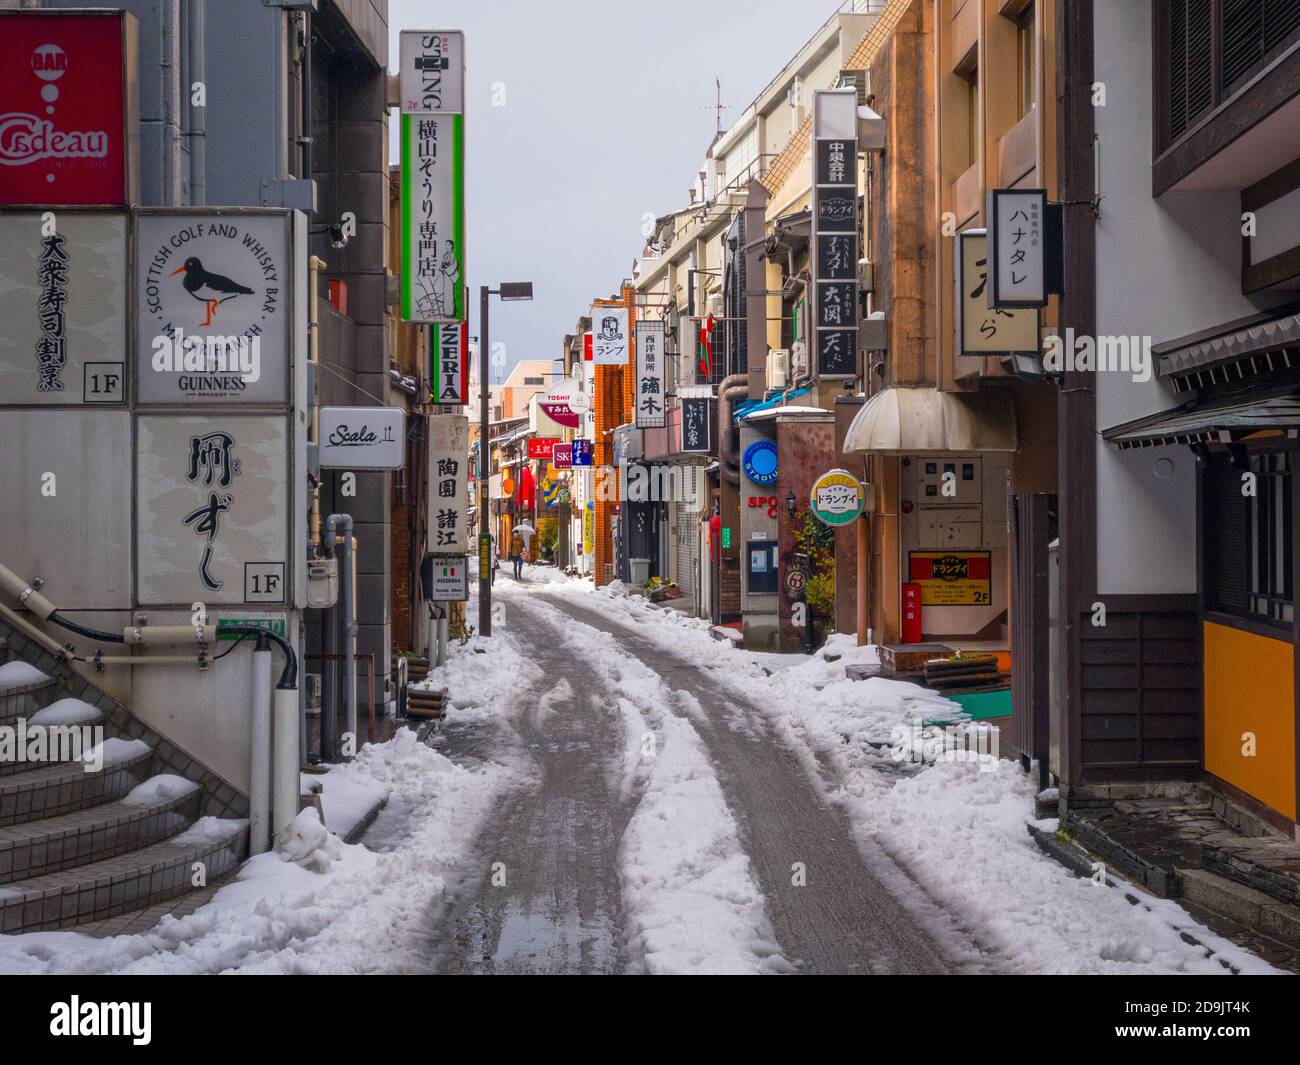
{"x":81,"y":842}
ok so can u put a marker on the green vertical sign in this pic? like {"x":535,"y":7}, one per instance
{"x":433,"y":217}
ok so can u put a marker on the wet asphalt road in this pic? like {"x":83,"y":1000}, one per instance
{"x":555,"y":841}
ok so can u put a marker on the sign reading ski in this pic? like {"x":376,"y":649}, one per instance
{"x":211,"y":306}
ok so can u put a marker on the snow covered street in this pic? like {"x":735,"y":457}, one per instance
{"x":616,"y":791}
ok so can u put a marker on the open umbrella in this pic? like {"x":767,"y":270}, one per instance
{"x":525,"y":530}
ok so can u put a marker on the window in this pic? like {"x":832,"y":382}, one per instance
{"x":1254,"y":583}
{"x":534,"y":381}
{"x":1027,"y":61}
{"x":972,"y":81}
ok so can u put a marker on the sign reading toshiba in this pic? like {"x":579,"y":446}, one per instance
{"x":64,"y":120}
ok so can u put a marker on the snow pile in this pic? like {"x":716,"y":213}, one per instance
{"x":307,"y":842}
{"x":349,"y":793}
{"x":156,"y":789}
{"x":208,"y":830}
{"x":18,"y":674}
{"x":114,"y":750}
{"x":484,"y":673}
{"x":66,"y":712}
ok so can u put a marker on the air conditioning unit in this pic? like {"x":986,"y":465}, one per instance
{"x":778,"y":368}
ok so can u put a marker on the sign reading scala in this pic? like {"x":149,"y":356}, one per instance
{"x":211,"y":306}
{"x":63,"y":307}
{"x":362,"y":438}
{"x":68,"y":107}
{"x":432,"y":87}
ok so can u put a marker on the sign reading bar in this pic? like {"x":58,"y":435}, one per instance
{"x":65,"y":137}
{"x":431,"y":75}
{"x":448,"y":484}
{"x":362,"y":438}
{"x":1017,"y":246}
{"x":982,"y":330}
{"x":211,"y":309}
{"x":648,"y":398}
{"x":835,"y":232}
{"x":450,"y":370}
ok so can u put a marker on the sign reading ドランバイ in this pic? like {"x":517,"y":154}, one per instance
{"x":836,"y":498}
{"x":207,"y":530}
{"x":62,"y":307}
{"x":952,"y":578}
{"x":212,"y":290}
{"x":66,"y":134}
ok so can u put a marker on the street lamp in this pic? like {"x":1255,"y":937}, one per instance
{"x":507,"y":290}
{"x":790,"y":503}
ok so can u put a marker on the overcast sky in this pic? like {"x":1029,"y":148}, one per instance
{"x":608,"y":113}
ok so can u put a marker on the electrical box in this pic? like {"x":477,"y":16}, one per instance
{"x":778,"y":368}
{"x":964,"y":485}
{"x":322,"y":583}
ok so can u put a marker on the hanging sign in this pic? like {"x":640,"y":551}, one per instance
{"x":433,"y":218}
{"x":66,"y":135}
{"x":541,"y":447}
{"x":63,"y":307}
{"x":589,"y":528}
{"x":582,"y":452}
{"x":1017,"y":242}
{"x":564,"y":404}
{"x":562,"y":456}
{"x":211,"y":308}
{"x":648,"y":384}
{"x":609,"y":336}
{"x":835,"y":232}
{"x":362,"y":438}
{"x":760,"y":462}
{"x":431,"y":72}
{"x":449,"y":349}
{"x":697,"y":430}
{"x":448,"y":484}
{"x":212,"y":505}
{"x":836,"y":498}
{"x":450,"y":580}
{"x":981,"y":330}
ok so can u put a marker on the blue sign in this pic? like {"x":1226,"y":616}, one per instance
{"x":760,"y":462}
{"x":582,"y":450}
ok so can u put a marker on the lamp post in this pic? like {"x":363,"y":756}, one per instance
{"x":507,"y":290}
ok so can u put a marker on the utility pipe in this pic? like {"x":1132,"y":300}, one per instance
{"x":259,"y":758}
{"x":315,"y":265}
{"x":731,"y":387}
{"x":286,"y":764}
{"x":198,"y":116}
{"x":340,"y":526}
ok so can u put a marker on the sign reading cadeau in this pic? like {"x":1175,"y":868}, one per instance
{"x":64,"y":133}
{"x":211,"y":297}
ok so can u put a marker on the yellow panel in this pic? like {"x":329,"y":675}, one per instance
{"x":1250,"y":687}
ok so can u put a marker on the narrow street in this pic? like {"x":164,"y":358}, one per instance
{"x":555,"y":844}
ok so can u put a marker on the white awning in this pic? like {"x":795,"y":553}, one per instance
{"x":910,"y":421}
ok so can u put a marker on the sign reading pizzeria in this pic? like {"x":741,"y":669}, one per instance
{"x":68,"y":123}
{"x":211,"y":306}
{"x":952,"y":578}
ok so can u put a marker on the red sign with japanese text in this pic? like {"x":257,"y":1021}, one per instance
{"x":540,"y":447}
{"x":63,"y":117}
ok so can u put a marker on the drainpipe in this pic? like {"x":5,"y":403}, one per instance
{"x":259,"y":760}
{"x":733,"y":387}
{"x":198,"y":119}
{"x":341,"y":525}
{"x":315,"y":266}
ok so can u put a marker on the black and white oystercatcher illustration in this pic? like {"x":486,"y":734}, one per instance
{"x":211,"y":289}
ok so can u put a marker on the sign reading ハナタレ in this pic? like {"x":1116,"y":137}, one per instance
{"x":450,"y":370}
{"x":648,"y":399}
{"x":981,"y":330}
{"x":65,"y":131}
{"x":448,"y":484}
{"x":207,"y":530}
{"x":362,"y":438}
{"x":609,"y":336}
{"x":431,"y":75}
{"x":211,"y":297}
{"x":952,"y":578}
{"x":835,"y":232}
{"x":1017,"y":248}
{"x":62,"y":307}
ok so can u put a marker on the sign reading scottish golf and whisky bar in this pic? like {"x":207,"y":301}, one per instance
{"x":63,"y":307}
{"x":433,"y":176}
{"x":206,"y":529}
{"x":835,"y":232}
{"x":212,"y":314}
{"x":67,"y":125}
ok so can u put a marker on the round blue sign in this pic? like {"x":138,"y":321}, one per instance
{"x":760,"y":462}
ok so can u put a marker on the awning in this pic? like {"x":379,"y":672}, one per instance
{"x":1259,"y":338}
{"x":1213,"y":423}
{"x":751,"y":406}
{"x":907,"y":421}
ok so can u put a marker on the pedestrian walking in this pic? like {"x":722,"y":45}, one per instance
{"x":517,"y":554}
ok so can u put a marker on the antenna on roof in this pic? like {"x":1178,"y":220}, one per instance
{"x":718,"y":106}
